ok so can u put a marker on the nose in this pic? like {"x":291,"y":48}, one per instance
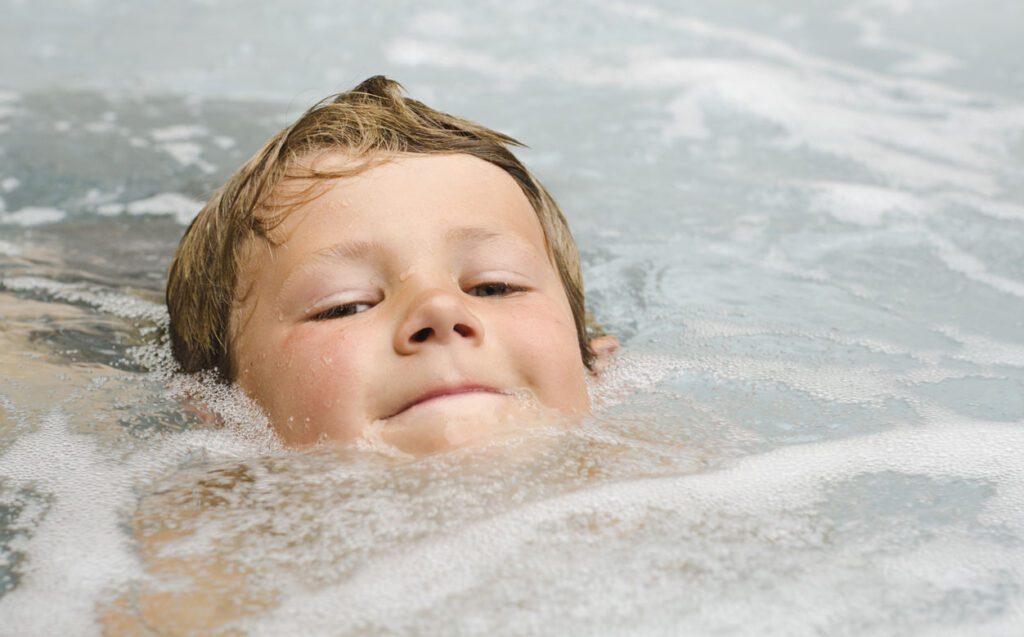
{"x":437,"y":317}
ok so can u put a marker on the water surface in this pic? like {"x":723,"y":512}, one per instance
{"x":803,"y":221}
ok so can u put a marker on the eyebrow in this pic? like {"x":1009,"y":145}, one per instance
{"x":471,"y":234}
{"x":349,"y":251}
{"x":360,"y":250}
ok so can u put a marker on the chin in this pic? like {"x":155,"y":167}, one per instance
{"x":454,"y":420}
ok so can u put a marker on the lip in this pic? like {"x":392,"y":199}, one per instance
{"x":441,"y":392}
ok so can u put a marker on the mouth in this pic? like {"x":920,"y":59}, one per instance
{"x":445,"y":392}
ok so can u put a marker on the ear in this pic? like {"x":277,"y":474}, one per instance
{"x":603,"y":347}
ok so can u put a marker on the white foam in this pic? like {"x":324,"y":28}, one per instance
{"x":1006,"y":210}
{"x":8,"y":101}
{"x":961,"y":261}
{"x":927,"y":63}
{"x":922,"y":60}
{"x":188,"y":154}
{"x":32,"y":216}
{"x":76,"y":552}
{"x":104,"y":300}
{"x":769,"y":490}
{"x":421,"y":52}
{"x":437,"y":23}
{"x":182,"y":208}
{"x":864,"y":205}
{"x":110,"y":209}
{"x":178,"y":133}
{"x":688,"y":119}
{"x":8,"y":184}
{"x":249,"y":430}
{"x":631,"y":373}
{"x":100,"y":127}
{"x":982,"y":350}
{"x":9,"y":249}
{"x":185,"y":153}
{"x":225,"y":142}
{"x":964,"y":147}
{"x":880,"y":125}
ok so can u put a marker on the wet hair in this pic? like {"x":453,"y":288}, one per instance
{"x":372,"y":121}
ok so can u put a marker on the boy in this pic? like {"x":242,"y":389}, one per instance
{"x":384,"y":270}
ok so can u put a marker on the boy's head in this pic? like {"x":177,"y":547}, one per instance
{"x":379,"y":263}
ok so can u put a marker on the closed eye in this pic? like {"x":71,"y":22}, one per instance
{"x":494,"y":288}
{"x":341,"y":311}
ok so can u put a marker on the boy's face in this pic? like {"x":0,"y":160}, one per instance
{"x":414,"y":303}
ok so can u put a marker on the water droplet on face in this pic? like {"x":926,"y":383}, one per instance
{"x":405,"y":275}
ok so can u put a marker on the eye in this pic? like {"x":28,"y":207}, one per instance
{"x":341,"y":311}
{"x":494,"y":288}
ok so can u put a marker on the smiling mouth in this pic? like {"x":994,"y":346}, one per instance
{"x":446,"y":392}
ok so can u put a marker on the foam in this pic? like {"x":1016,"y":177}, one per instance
{"x":982,"y":350}
{"x":421,"y":52}
{"x":248,"y":432}
{"x":1005,"y":210}
{"x":819,"y":111}
{"x":962,"y":262}
{"x":816,"y":108}
{"x":864,"y":205}
{"x":178,"y":133}
{"x":835,"y":383}
{"x":101,"y":127}
{"x":224,"y":142}
{"x":765,"y":176}
{"x":188,"y":154}
{"x":78,"y":553}
{"x":77,"y":550}
{"x":9,"y":104}
{"x":95,"y":197}
{"x":766,"y":492}
{"x":32,"y":216}
{"x":182,"y":208}
{"x":104,"y":300}
{"x":631,"y":373}
{"x":9,"y":249}
{"x":922,"y":60}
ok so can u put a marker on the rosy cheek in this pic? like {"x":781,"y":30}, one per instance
{"x":544,"y":324}
{"x":542,"y":343}
{"x":325,"y":369}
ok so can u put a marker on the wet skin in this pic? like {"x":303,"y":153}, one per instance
{"x":414,"y":303}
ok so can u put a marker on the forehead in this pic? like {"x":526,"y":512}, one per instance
{"x":396,"y":192}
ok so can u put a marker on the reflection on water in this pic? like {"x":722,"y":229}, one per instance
{"x":803,"y":222}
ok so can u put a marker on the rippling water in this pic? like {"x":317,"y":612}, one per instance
{"x":805,"y":222}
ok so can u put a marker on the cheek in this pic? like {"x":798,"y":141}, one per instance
{"x":541,"y":342}
{"x":308,"y":383}
{"x":323,"y":366}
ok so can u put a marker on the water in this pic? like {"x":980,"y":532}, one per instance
{"x":804,"y":221}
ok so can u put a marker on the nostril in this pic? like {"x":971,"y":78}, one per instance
{"x":462,"y":330}
{"x":423,"y":334}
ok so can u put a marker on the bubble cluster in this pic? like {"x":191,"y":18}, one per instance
{"x":802,"y":222}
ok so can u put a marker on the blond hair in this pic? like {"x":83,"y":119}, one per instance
{"x":372,"y":120}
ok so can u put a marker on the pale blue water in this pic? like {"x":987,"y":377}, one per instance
{"x":804,"y":220}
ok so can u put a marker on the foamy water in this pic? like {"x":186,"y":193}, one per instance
{"x":804,"y":222}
